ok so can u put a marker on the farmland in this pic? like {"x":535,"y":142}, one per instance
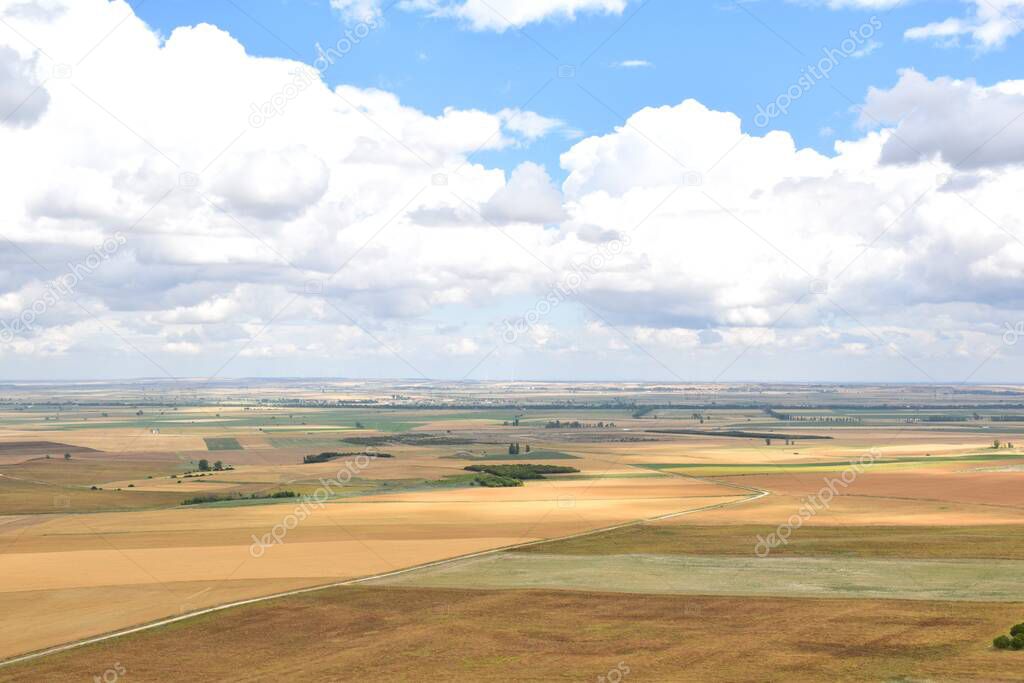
{"x":879,"y":513}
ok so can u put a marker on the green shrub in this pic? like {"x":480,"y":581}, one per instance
{"x":1017,"y":642}
{"x":1001,"y":643}
{"x":1017,"y":629}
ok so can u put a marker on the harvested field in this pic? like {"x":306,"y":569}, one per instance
{"x":387,"y":633}
{"x":39,"y":448}
{"x":941,"y":485}
{"x":849,"y":510}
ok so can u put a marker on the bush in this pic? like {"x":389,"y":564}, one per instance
{"x":1017,"y":629}
{"x":1017,"y":642}
{"x":1001,"y":643}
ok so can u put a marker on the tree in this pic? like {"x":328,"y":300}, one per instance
{"x":768,"y":442}
{"x":995,"y":444}
{"x":218,"y":466}
{"x":204,"y":465}
{"x":1017,"y":642}
{"x":1001,"y":643}
{"x":1017,"y":629}
{"x":67,"y":456}
{"x":527,"y":448}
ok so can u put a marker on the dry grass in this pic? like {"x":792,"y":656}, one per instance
{"x":371,"y":634}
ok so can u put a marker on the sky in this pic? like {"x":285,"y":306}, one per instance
{"x":768,"y":190}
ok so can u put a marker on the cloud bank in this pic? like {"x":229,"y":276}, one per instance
{"x":350,"y":233}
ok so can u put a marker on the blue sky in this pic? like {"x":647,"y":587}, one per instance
{"x":730,"y":57}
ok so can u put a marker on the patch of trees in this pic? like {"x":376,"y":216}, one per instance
{"x":521,"y":471}
{"x":819,"y":419}
{"x":409,"y":440}
{"x":1014,"y":641}
{"x":214,"y":498}
{"x":218,"y":466}
{"x":516,"y":448}
{"x":327,"y":457}
{"x":576,"y":424}
{"x":735,"y":433}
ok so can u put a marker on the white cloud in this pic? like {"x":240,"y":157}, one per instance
{"x":23,"y":99}
{"x":869,"y":47}
{"x":502,"y":15}
{"x":358,"y":10}
{"x":530,"y":125}
{"x":965,"y":124}
{"x":634,"y":64}
{"x":990,"y":25}
{"x":862,"y":4}
{"x":529,"y":197}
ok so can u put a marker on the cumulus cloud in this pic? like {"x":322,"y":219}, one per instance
{"x":23,"y":99}
{"x":960,"y":122}
{"x":273,"y":184}
{"x":529,"y":197}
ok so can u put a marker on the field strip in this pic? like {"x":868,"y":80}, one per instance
{"x":790,"y":577}
{"x":754,"y":494}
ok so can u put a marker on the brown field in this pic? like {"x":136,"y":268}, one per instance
{"x":860,"y":511}
{"x":363,"y":633}
{"x":943,"y":484}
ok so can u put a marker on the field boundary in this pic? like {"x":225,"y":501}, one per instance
{"x":754,"y":494}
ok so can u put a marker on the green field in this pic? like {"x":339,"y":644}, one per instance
{"x":960,"y":580}
{"x":222,"y":444}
